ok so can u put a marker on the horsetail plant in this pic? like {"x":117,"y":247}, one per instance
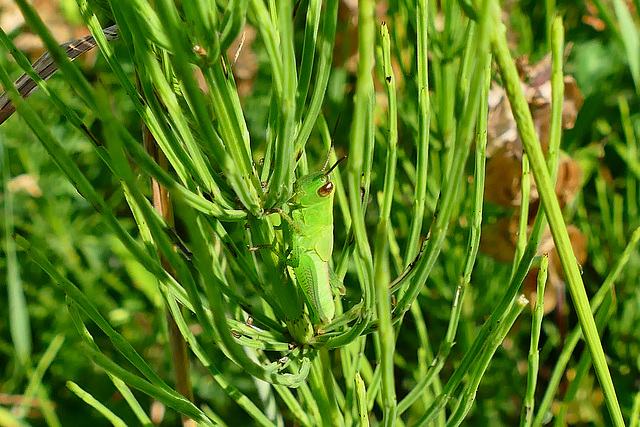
{"x":249,"y":257}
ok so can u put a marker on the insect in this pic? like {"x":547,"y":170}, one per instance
{"x":45,"y":68}
{"x":308,"y":232}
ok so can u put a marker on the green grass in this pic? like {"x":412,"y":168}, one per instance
{"x":93,"y":273}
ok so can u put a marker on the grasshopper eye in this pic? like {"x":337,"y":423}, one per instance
{"x":326,"y":189}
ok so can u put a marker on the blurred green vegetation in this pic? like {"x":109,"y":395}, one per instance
{"x":74,"y":238}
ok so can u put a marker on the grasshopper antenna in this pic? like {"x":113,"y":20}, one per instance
{"x":335,"y":165}
{"x":333,"y":138}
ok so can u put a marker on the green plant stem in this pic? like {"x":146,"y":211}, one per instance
{"x":528,"y":406}
{"x":326,"y":43}
{"x":361,"y":133}
{"x":282,"y":178}
{"x":573,"y":338}
{"x":450,"y":188}
{"x":94,"y":403}
{"x":635,"y":411}
{"x":584,"y":364}
{"x":467,"y":397}
{"x":361,"y":394}
{"x":501,"y":309}
{"x":525,"y":190}
{"x":424,"y":123}
{"x":631,"y":186}
{"x":551,"y":206}
{"x":474,"y":241}
{"x":386,"y":333}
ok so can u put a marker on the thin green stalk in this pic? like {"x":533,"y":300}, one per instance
{"x":360,"y":135}
{"x":557,"y":96}
{"x":350,"y":358}
{"x":326,"y":43}
{"x":528,"y":406}
{"x":628,"y":32}
{"x":424,"y":120}
{"x":329,"y":381}
{"x":35,"y":386}
{"x":170,"y":102}
{"x":232,"y":22}
{"x":282,"y":178}
{"x":309,"y":46}
{"x":270,"y":38}
{"x":165,"y":395}
{"x":634,"y":419}
{"x":551,"y":206}
{"x":319,"y":393}
{"x":76,"y":318}
{"x":525,"y":190}
{"x":311,"y":405}
{"x":618,"y":219}
{"x":293,"y":405}
{"x":549,"y":15}
{"x":19,"y":323}
{"x":385,"y":328}
{"x":584,"y":364}
{"x":467,"y":397}
{"x":631,"y":186}
{"x":361,"y":395}
{"x":474,"y":241}
{"x":95,"y":404}
{"x":233,"y":157}
{"x":381,"y":246}
{"x":573,"y":338}
{"x":449,"y":194}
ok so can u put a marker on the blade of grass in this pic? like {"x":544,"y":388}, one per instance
{"x":634,"y":418}
{"x":630,"y":39}
{"x":233,"y":157}
{"x":282,"y":178}
{"x":326,"y":43}
{"x":95,"y":404}
{"x":19,"y":323}
{"x":573,"y":338}
{"x":525,"y":191}
{"x":361,"y":135}
{"x":631,"y":186}
{"x":584,"y":364}
{"x":309,"y":46}
{"x":85,"y":188}
{"x":526,"y":417}
{"x":381,"y":245}
{"x":361,"y":397}
{"x":133,"y":403}
{"x":35,"y":385}
{"x":424,"y":124}
{"x":552,"y":208}
{"x":467,"y":397}
{"x":449,"y":194}
{"x":165,"y":395}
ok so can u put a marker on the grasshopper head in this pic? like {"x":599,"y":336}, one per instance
{"x":315,"y":187}
{"x":312,"y":189}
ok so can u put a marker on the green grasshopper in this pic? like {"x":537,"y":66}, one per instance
{"x":308,"y":232}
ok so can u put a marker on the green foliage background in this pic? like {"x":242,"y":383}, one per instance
{"x":73,"y":237}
